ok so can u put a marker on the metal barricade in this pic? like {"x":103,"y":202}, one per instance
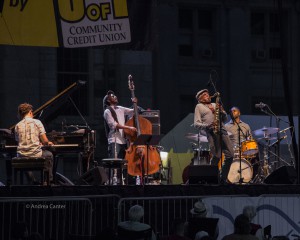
{"x":105,"y":212}
{"x":159,"y":212}
{"x":52,"y":217}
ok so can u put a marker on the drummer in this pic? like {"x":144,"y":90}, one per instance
{"x":232,"y":127}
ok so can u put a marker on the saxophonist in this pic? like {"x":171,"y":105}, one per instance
{"x":210,"y":117}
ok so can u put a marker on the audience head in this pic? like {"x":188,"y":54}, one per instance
{"x":242,"y":225}
{"x":136,"y":213}
{"x":250,"y":212}
{"x":177,"y":227}
{"x":200,"y":235}
{"x":199,"y":209}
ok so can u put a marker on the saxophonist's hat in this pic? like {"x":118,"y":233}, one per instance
{"x":200,"y":93}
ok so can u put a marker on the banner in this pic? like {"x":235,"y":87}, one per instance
{"x":64,"y":23}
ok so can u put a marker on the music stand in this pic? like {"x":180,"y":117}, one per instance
{"x":148,"y":140}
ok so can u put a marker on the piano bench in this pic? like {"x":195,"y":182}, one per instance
{"x":24,"y":164}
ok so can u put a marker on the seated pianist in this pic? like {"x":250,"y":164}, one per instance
{"x":31,"y":136}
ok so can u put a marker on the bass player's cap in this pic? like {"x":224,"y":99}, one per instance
{"x":200,"y":93}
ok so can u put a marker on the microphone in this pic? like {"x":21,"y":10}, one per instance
{"x":194,"y":145}
{"x":209,"y":81}
{"x":261,"y":105}
{"x":278,"y":141}
{"x":285,"y":129}
{"x":129,"y":77}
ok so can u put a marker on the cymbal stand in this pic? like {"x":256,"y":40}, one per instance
{"x":199,"y":149}
{"x":281,"y":159}
{"x":264,"y":168}
{"x":241,"y":180}
{"x":267,"y":110}
{"x":292,"y":163}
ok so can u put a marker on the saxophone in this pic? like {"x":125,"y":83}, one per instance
{"x":217,"y":114}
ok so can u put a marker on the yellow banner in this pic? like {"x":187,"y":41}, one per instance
{"x":67,"y":23}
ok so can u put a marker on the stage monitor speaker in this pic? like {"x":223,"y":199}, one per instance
{"x":95,"y":176}
{"x":156,"y":129}
{"x":154,"y":117}
{"x":203,"y":174}
{"x":62,"y":180}
{"x":282,"y":175}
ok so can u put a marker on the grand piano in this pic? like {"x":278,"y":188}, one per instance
{"x":69,"y":139}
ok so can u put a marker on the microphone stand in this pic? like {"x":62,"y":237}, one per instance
{"x":199,"y":149}
{"x":241,"y":180}
{"x":278,"y":119}
{"x":89,"y":148}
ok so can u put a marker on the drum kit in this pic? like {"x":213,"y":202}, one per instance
{"x":246,"y":168}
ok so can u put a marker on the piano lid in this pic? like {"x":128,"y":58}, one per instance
{"x":58,"y":100}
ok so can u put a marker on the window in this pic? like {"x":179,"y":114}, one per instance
{"x":196,"y":33}
{"x":275,"y":53}
{"x":274,"y":23}
{"x":185,"y":19}
{"x":205,"y":20}
{"x":265,"y":36}
{"x":73,"y":65}
{"x":257,"y":23}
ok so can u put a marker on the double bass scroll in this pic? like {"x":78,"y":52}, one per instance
{"x":142,"y":159}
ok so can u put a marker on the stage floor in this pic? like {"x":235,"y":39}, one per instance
{"x":149,"y":190}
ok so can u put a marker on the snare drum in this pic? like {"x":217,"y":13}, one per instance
{"x":234,"y":172}
{"x":249,"y":148}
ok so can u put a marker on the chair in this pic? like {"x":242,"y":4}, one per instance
{"x":125,"y":234}
{"x":267,"y":232}
{"x":24,"y":164}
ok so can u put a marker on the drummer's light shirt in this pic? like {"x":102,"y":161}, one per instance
{"x":233,"y":128}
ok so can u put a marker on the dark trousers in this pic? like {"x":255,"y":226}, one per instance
{"x":117,"y":150}
{"x":220,"y":143}
{"x":49,"y":156}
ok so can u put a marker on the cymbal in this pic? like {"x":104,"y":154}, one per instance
{"x":196,"y":137}
{"x":267,"y":138}
{"x":265,"y":131}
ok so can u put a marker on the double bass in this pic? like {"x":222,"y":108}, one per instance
{"x":142,"y":159}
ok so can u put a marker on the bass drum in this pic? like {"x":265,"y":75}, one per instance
{"x":234,"y":172}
